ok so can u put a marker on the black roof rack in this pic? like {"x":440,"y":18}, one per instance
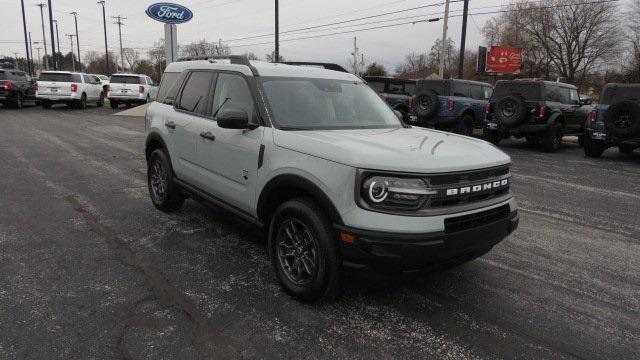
{"x":234,"y":59}
{"x":328,"y":66}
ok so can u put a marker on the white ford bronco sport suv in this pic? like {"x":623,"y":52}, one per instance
{"x":130,"y":89}
{"x":71,"y":88}
{"x":323,"y":164}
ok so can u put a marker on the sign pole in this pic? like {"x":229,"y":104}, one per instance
{"x":170,"y":42}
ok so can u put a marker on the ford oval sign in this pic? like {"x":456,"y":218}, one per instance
{"x":169,"y":13}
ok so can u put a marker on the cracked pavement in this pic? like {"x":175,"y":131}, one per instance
{"x":90,"y":270}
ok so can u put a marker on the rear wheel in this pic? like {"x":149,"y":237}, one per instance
{"x":593,"y":148}
{"x":165,"y":193}
{"x":114,"y":104}
{"x":465,"y":125}
{"x":46,"y":104}
{"x":82,"y":104}
{"x":552,"y":139}
{"x":304,"y":251}
{"x":100,"y":102}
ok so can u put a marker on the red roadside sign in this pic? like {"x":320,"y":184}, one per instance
{"x":504,"y":60}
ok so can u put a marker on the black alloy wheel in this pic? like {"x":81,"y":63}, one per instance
{"x":297,"y":251}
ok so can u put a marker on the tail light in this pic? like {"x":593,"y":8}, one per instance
{"x":593,"y":116}
{"x":8,"y":86}
{"x":543,"y":112}
{"x":141,"y":89}
{"x":487,"y":108}
{"x":74,"y":87}
{"x":451,"y":105}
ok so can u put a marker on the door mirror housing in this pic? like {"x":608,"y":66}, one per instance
{"x":234,"y":119}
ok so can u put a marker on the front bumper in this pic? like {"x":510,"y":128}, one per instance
{"x":416,"y":251}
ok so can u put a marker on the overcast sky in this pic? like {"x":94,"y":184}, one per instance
{"x":232,"y":19}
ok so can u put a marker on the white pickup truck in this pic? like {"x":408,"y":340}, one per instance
{"x":71,"y":88}
{"x":131,"y":89}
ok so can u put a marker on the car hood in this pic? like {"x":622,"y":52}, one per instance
{"x":405,"y":149}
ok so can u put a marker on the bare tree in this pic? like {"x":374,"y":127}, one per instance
{"x":412,"y":64}
{"x":131,"y":56}
{"x":203,"y":47}
{"x":632,"y":59}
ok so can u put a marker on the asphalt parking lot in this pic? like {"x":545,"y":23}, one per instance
{"x":89,"y":268}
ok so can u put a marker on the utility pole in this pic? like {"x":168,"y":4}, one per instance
{"x":39,"y":65}
{"x":277,"y":51}
{"x":463,"y":41}
{"x":15,"y":55}
{"x":443,"y":45}
{"x":26,"y":41}
{"x":75,"y":17}
{"x":44,"y":36}
{"x":356,"y":57}
{"x":73,"y":59}
{"x":31,"y":66}
{"x":53,"y":44}
{"x":58,"y":39}
{"x":120,"y":25}
{"x":106,"y":47}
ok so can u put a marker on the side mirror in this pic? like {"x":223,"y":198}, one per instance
{"x":234,"y":119}
{"x":584,"y":102}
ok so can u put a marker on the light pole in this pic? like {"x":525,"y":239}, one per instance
{"x":38,"y":48}
{"x":53,"y":44}
{"x":277,"y":50}
{"x":106,"y":47}
{"x":44,"y":36}
{"x":33,"y":70}
{"x":463,"y":41}
{"x":75,"y":17}
{"x":26,"y":41}
{"x":55,"y":56}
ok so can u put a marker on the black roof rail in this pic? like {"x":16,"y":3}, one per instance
{"x":234,"y":59}
{"x":328,"y":66}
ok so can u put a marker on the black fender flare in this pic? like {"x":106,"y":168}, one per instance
{"x":153,"y":137}
{"x":296,"y":181}
{"x":554,"y":118}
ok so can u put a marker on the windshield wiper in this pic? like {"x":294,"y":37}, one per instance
{"x":220,"y":107}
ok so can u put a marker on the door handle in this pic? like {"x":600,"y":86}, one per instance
{"x":207,"y":135}
{"x":170,"y":125}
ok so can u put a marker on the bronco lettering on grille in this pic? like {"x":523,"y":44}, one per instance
{"x":478,"y":188}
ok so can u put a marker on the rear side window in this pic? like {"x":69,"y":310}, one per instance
{"x":439,"y":86}
{"x":460,"y":89}
{"x":119,"y":79}
{"x":87,"y":79}
{"x":195,"y":92}
{"x":60,"y":77}
{"x":410,"y":88}
{"x":477,"y":92}
{"x":616,"y":93}
{"x":530,"y":91}
{"x":552,"y":93}
{"x":167,"y":88}
{"x":3,"y":75}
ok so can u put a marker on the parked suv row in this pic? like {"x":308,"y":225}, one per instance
{"x":130,"y":89}
{"x":318,"y":160}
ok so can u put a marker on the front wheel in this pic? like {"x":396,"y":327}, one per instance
{"x":304,"y":251}
{"x":593,"y":148}
{"x":165,"y":193}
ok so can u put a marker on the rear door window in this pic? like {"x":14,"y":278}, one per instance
{"x":196,"y":92}
{"x":460,"y":89}
{"x":477,"y":92}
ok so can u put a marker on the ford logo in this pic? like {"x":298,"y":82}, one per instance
{"x":169,"y":13}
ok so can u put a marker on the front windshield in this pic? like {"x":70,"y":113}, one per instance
{"x":313,"y":104}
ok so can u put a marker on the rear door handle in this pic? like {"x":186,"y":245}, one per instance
{"x":170,"y":124}
{"x":207,"y":135}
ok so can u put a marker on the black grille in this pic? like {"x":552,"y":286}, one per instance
{"x":471,"y":221}
{"x":468,"y":176}
{"x":468,"y":179}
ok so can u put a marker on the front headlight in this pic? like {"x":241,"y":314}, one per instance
{"x":395,"y":193}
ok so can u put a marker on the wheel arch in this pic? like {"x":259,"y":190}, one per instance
{"x":154,"y":141}
{"x":289,"y":186}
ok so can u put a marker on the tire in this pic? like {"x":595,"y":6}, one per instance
{"x":127,"y":105}
{"x":465,"y":125}
{"x":551,"y":141}
{"x":114,"y":104}
{"x":147,"y":100}
{"x":17,"y":103}
{"x":300,"y":230}
{"x":511,"y":110}
{"x":581,"y":140}
{"x":427,"y":104}
{"x":82,"y":103}
{"x":46,"y":104}
{"x":493,"y":137}
{"x":593,"y":148}
{"x":622,"y":119}
{"x":100,"y":102}
{"x":164,"y":192}
{"x":626,"y":149}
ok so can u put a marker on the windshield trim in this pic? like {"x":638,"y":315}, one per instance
{"x":274,"y":121}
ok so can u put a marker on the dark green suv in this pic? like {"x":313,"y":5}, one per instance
{"x":540,"y":111}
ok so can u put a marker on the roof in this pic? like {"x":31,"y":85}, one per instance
{"x":539,"y":81}
{"x":263,"y":68}
{"x":472,"y":82}
{"x":127,"y":74}
{"x":389,"y":79}
{"x":60,"y":72}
